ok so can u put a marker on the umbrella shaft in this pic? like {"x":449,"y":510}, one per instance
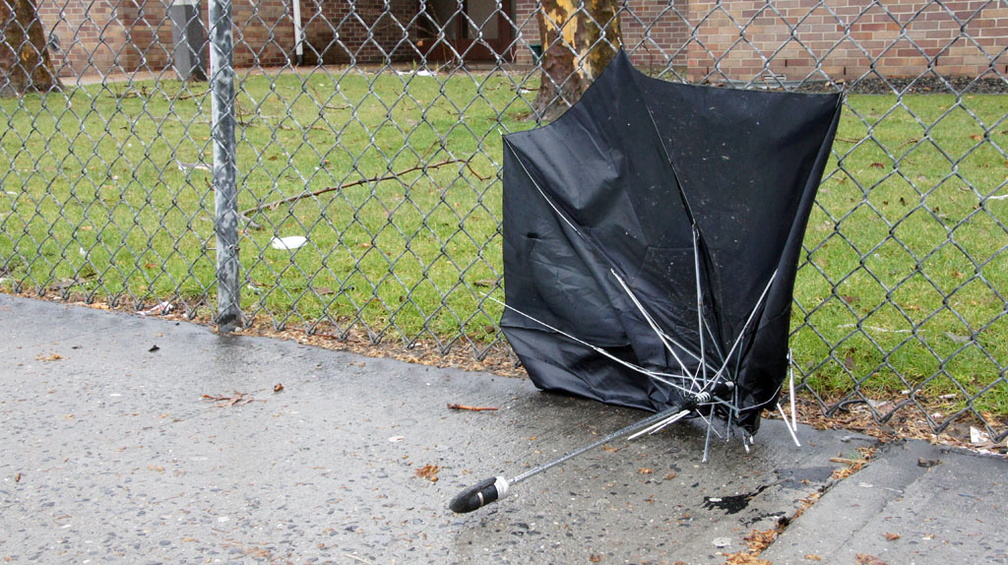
{"x":650,"y":420}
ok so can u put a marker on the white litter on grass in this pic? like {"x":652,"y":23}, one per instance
{"x":418,"y":72}
{"x":979,"y":436}
{"x":290,"y":242}
{"x":159,"y":309}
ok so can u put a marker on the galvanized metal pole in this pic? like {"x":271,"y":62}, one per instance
{"x":224,"y":167}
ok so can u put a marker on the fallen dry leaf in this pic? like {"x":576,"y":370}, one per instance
{"x":278,"y":387}
{"x":645,"y":471}
{"x":813,"y":557}
{"x":50,"y":357}
{"x":867,"y":559}
{"x":743,"y":558}
{"x":760,"y":540}
{"x":428,"y":472}
{"x":891,"y":536}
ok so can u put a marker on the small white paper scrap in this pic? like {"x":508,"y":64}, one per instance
{"x":289,"y":242}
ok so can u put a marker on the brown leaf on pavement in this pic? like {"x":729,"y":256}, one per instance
{"x":429,"y":472}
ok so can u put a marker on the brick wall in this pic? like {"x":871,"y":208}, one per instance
{"x":526,"y":31}
{"x":846,"y":39}
{"x":363,"y":31}
{"x":795,"y":39}
{"x":98,"y":38}
{"x":93,"y":36}
{"x":656,"y":33}
{"x":264,"y":32}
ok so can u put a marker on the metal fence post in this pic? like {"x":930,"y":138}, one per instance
{"x":224,"y":167}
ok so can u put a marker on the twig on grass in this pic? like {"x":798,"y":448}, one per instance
{"x":391,"y":176}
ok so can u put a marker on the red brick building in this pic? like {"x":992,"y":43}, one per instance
{"x":848,"y":39}
{"x":710,"y":40}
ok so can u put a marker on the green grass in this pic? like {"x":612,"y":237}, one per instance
{"x":96,"y":204}
{"x":903,"y":286}
{"x":905,"y":280}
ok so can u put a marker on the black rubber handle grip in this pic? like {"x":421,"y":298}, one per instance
{"x":478,"y":495}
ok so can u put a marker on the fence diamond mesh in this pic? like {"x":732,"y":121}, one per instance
{"x":368,"y":151}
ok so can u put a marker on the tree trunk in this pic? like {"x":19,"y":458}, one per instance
{"x":25,"y":65}
{"x":579,"y":38}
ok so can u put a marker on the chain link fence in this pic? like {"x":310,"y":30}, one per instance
{"x":367,"y":151}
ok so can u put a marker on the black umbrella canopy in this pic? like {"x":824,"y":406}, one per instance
{"x":651,"y":239}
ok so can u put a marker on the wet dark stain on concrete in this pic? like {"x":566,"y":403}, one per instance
{"x":735,"y":503}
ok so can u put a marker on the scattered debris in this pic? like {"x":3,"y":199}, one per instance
{"x":50,"y":357}
{"x":429,"y":472}
{"x":159,"y":309}
{"x":235,"y":399}
{"x":278,"y":387}
{"x":757,"y":541}
{"x":927,"y":463}
{"x":847,"y":461}
{"x":978,"y":436}
{"x":418,"y":73}
{"x":187,"y":167}
{"x":154,"y":348}
{"x":471,"y":408}
{"x":288,"y":243}
{"x":853,"y":465}
{"x":889,"y":536}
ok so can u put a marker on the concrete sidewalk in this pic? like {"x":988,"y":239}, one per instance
{"x":138,"y":440}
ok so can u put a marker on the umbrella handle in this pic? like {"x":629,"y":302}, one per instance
{"x":479,"y":495}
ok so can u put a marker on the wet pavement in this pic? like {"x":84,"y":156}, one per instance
{"x":134,"y":439}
